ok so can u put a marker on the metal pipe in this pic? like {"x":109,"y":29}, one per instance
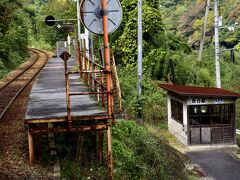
{"x":67,"y":89}
{"x":31,"y":147}
{"x":109,"y":152}
{"x":86,"y":93}
{"x":59,"y":20}
{"x":100,"y":140}
{"x":107,"y":56}
{"x":68,"y":129}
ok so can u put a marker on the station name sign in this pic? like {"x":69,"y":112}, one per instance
{"x":203,"y":100}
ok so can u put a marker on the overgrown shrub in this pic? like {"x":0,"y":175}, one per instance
{"x":137,"y":154}
{"x":150,"y":106}
{"x":140,"y":155}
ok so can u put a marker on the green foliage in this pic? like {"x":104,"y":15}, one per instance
{"x":151,"y":105}
{"x":128,"y":40}
{"x":13,"y":34}
{"x":60,"y":9}
{"x":3,"y":69}
{"x":70,"y":170}
{"x":137,"y":154}
{"x":140,"y":155}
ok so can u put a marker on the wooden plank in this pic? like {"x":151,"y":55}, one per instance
{"x":216,"y":135}
{"x":206,"y":135}
{"x":227,"y":134}
{"x":48,"y":96}
{"x":195,"y":135}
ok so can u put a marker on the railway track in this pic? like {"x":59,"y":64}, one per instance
{"x":11,"y":90}
{"x":14,"y":91}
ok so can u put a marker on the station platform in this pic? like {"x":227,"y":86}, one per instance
{"x":48,"y":95}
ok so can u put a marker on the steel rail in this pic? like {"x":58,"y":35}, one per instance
{"x":10,"y":81}
{"x":26,"y":84}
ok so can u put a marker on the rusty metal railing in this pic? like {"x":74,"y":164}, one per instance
{"x":97,"y":78}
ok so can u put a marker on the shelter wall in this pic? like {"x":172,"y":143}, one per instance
{"x":176,"y":128}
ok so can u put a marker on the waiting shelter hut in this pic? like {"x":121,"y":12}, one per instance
{"x":201,"y":115}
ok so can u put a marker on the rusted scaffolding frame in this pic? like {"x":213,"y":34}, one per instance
{"x":100,"y":85}
{"x":97,"y":128}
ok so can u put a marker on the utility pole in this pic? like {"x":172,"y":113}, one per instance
{"x":78,"y":20}
{"x":139,"y":83}
{"x":203,"y":31}
{"x":217,"y":49}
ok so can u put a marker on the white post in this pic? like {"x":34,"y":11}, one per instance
{"x":78,"y":20}
{"x":217,"y":49}
{"x":139,"y":84}
{"x":69,"y":43}
{"x":87,"y":42}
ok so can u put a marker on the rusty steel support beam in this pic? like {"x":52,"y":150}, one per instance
{"x":94,"y":139}
{"x":100,"y":142}
{"x":42,"y":130}
{"x":87,"y":93}
{"x":31,"y":147}
{"x":67,"y":89}
{"x":109,"y":152}
{"x":102,"y":89}
{"x":91,"y":72}
{"x":74,"y":118}
{"x":79,"y":56}
{"x":84,"y":59}
{"x":91,"y":117}
{"x":37,"y":121}
{"x":107,"y":57}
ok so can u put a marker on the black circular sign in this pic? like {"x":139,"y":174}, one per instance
{"x":48,"y":20}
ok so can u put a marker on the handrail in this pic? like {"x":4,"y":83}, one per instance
{"x":94,"y":76}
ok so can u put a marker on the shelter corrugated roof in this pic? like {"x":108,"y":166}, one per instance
{"x":198,"y":91}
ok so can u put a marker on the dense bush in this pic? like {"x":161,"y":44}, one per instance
{"x":151,"y":105}
{"x":13,"y":35}
{"x":140,"y":155}
{"x":137,"y":154}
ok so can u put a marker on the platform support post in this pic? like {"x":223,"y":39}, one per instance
{"x":67,"y":91}
{"x":79,"y":56}
{"x":109,"y":152}
{"x":31,"y":147}
{"x":107,"y":58}
{"x":84,"y":59}
{"x":100,"y":142}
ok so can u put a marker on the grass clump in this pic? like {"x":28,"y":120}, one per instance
{"x":138,"y":154}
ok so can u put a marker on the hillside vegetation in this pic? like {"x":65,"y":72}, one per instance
{"x":137,"y":154}
{"x":13,"y":35}
{"x":172,"y":30}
